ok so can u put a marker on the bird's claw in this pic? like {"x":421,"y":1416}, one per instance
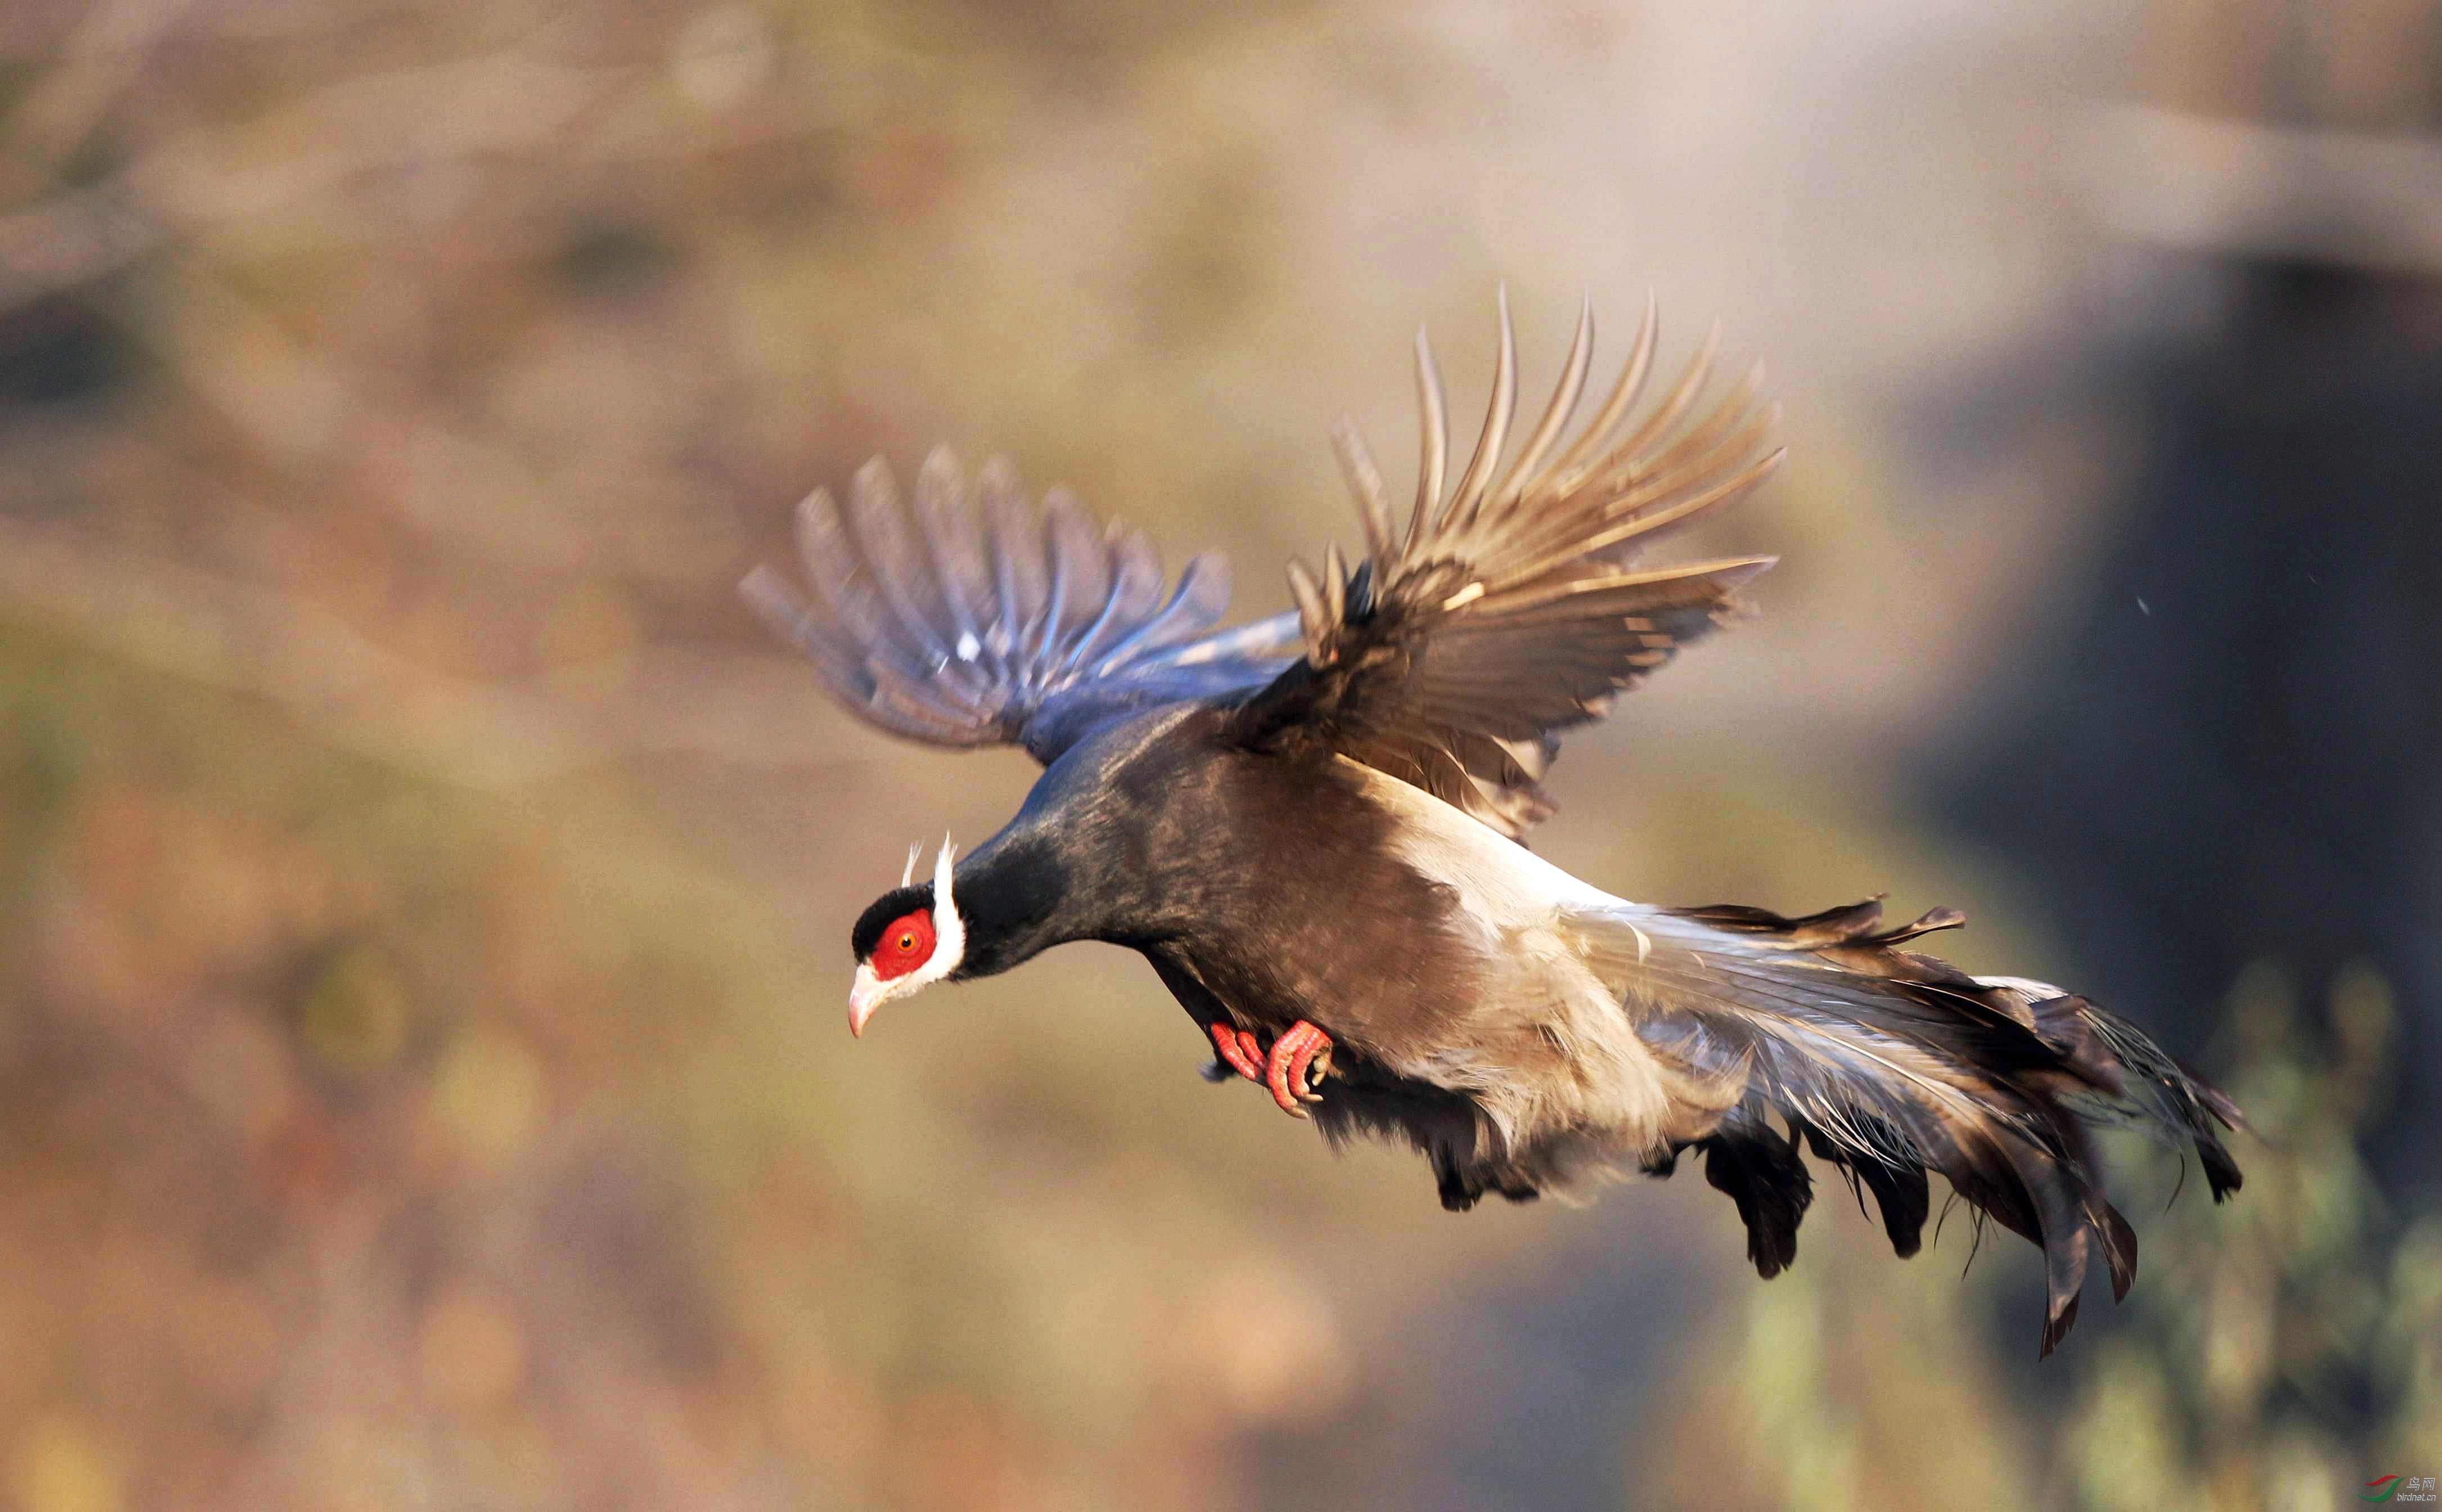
{"x":1300,"y":1058}
{"x":1238,"y":1051}
{"x":1292,"y":1070}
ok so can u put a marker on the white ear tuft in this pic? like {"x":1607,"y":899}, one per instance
{"x":907,"y":874}
{"x":949,"y":930}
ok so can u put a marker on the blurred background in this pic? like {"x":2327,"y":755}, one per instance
{"x":422,"y":1076}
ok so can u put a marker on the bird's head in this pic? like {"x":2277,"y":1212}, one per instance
{"x":910,"y":937}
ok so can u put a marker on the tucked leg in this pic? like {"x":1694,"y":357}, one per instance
{"x":1301,"y":1059}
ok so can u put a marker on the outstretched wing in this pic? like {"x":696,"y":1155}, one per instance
{"x":1508,"y":610}
{"x":978,"y":621}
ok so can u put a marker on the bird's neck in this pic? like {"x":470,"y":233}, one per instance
{"x":1013,"y":895}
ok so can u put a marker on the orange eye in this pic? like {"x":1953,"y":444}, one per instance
{"x":907,"y":941}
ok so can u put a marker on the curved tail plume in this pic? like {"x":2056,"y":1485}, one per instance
{"x":1821,"y":1033}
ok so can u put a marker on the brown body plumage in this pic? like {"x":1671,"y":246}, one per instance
{"x":1318,"y":851}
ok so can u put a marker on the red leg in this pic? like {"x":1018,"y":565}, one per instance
{"x":1299,"y":1059}
{"x":1237,"y":1050}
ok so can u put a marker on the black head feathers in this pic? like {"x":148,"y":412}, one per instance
{"x":896,"y":904}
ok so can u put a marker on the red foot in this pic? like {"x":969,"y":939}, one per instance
{"x":1299,"y":1060}
{"x":1238,"y":1050}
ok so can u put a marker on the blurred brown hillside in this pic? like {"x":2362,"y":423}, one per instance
{"x":421,"y":1075}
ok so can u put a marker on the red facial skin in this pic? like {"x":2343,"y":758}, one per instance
{"x":905,"y":945}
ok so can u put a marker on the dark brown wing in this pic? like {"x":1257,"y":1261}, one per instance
{"x":1509,"y":609}
{"x":978,"y":621}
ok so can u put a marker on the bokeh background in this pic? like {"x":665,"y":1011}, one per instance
{"x":422,"y":1074}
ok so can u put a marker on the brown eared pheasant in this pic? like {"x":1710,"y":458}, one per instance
{"x":1219,"y":799}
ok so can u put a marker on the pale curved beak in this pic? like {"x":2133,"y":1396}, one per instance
{"x":863,"y":998}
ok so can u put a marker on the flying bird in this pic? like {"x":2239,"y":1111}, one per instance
{"x":1313,"y":827}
